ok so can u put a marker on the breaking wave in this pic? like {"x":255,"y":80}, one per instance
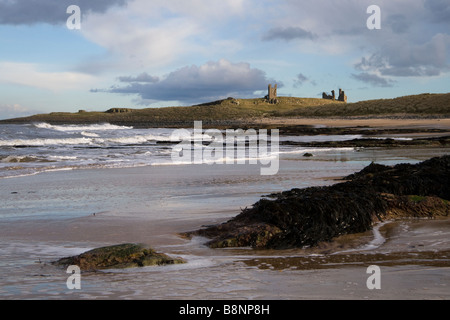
{"x":91,"y":127}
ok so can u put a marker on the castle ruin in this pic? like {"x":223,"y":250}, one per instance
{"x":342,"y":97}
{"x":272,"y":95}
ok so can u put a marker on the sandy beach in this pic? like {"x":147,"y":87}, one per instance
{"x":54,"y":213}
{"x":239,"y":151}
{"x":382,"y":122}
{"x":69,"y":212}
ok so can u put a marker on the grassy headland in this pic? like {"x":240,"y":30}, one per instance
{"x":232,"y":111}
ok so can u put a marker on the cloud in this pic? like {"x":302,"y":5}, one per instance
{"x":373,"y":79}
{"x":403,"y":59}
{"x":301,"y":79}
{"x":196,"y":84}
{"x":439,"y":10}
{"x":399,"y":23}
{"x":28,"y":74}
{"x":136,"y":38}
{"x":8,"y":111}
{"x":143,"y":77}
{"x":30,"y":12}
{"x":288,"y":34}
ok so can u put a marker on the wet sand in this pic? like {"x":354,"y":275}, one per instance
{"x":56,"y":214}
{"x":373,"y":122}
{"x":68,"y":212}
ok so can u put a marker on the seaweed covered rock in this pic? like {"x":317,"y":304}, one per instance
{"x":118,"y":257}
{"x":306,"y":217}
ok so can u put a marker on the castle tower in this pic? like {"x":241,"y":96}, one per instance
{"x":342,"y":97}
{"x":272,"y":94}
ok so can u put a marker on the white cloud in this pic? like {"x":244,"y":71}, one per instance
{"x":200,"y":10}
{"x":403,"y":59}
{"x":28,"y":74}
{"x":8,"y":111}
{"x":154,"y":34}
{"x":134,"y":42}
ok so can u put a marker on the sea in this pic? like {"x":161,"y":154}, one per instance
{"x":66,"y":189}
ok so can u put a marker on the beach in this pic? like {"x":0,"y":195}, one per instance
{"x":400,"y":121}
{"x":67,"y":210}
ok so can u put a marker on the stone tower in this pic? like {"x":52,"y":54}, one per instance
{"x":272,"y":95}
{"x":342,"y":97}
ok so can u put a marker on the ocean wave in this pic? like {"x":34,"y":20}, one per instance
{"x":62,"y":158}
{"x":89,"y":134}
{"x":392,"y":138}
{"x":18,"y":159}
{"x":91,"y":127}
{"x":45,"y":142}
{"x":139,"y":139}
{"x":87,"y":139}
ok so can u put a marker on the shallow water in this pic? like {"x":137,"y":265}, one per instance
{"x":419,"y":272}
{"x":54,"y":214}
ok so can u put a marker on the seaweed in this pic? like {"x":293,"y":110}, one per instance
{"x":307,"y":217}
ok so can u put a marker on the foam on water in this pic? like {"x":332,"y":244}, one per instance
{"x":92,"y":127}
{"x":42,"y":147}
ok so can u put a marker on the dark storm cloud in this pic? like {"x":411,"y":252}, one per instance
{"x":28,"y":12}
{"x":403,"y":59}
{"x":373,"y":79}
{"x":143,"y":77}
{"x":288,"y":34}
{"x":439,"y":10}
{"x":398,"y":23}
{"x":195,"y":84}
{"x":301,"y":79}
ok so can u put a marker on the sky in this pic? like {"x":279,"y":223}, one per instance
{"x":156,"y":53}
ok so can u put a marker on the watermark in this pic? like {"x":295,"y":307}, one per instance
{"x":235,"y":147}
{"x":374,"y":281}
{"x":74,"y":21}
{"x":226,"y":309}
{"x":374,"y":21}
{"x":74,"y":281}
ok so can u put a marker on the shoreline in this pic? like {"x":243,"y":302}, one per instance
{"x":385,"y":122}
{"x":373,"y":122}
{"x":129,"y":208}
{"x":232,"y":112}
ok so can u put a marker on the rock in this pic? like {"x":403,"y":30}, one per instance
{"x":307,"y":217}
{"x":118,"y":257}
{"x":119,"y":110}
{"x":308,"y":155}
{"x":233,"y":101}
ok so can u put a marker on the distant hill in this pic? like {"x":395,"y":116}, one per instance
{"x":232,"y":110}
{"x":420,"y":105}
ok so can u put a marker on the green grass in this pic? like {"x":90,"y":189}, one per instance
{"x":253,"y":109}
{"x":416,"y":199}
{"x":423,"y":104}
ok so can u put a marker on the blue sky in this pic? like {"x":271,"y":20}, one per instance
{"x":140,"y":53}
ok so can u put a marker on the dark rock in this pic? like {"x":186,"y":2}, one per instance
{"x":308,"y":155}
{"x":118,"y":257}
{"x":306,"y":217}
{"x":119,"y":110}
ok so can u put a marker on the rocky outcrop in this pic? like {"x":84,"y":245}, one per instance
{"x":118,"y":257}
{"x":119,"y":110}
{"x":307,"y":217}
